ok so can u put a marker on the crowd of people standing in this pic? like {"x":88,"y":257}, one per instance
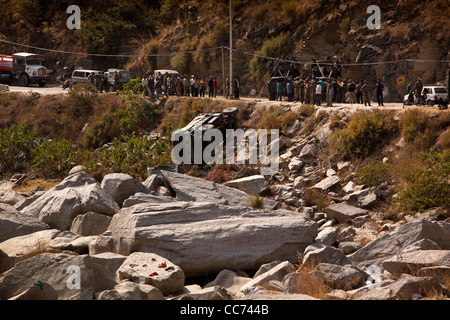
{"x":181,"y":85}
{"x":328,"y":91}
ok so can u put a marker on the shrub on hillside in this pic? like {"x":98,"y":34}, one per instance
{"x":273,"y":47}
{"x":81,"y":100}
{"x":134,"y":154}
{"x":373,"y":173}
{"x":135,"y":86}
{"x":54,"y":159}
{"x":102,"y":130}
{"x":426,"y":186}
{"x":412,"y":124}
{"x":365,"y":132}
{"x":16,"y":144}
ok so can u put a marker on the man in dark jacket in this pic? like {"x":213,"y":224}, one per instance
{"x":379,"y":89}
{"x":236,"y":88}
{"x":211,"y":86}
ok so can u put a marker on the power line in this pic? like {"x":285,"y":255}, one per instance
{"x":341,"y":64}
{"x":108,"y":55}
{"x":170,"y":54}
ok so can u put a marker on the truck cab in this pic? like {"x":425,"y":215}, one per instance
{"x":27,"y":68}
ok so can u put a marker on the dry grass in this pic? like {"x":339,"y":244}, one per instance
{"x":315,"y":197}
{"x":221,"y":173}
{"x":311,"y":283}
{"x":30,"y":184}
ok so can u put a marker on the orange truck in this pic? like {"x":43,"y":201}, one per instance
{"x":23,"y":68}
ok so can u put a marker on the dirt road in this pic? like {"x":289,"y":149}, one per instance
{"x":265,"y":101}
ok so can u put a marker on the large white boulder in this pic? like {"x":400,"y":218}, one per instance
{"x":72,"y":276}
{"x":121,"y":186}
{"x":152,"y":269}
{"x":14,"y":223}
{"x":253,"y":185}
{"x":187,"y":188}
{"x":204,"y":237}
{"x":75,"y":195}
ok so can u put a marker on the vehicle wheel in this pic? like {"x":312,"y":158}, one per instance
{"x":111,"y":88}
{"x":430,"y":103}
{"x":23,"y":80}
{"x":230,"y":111}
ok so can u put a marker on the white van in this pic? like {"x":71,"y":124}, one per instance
{"x":81,"y":76}
{"x":169,"y":72}
{"x":432,"y":95}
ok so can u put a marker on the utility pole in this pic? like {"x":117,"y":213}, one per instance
{"x":231,"y":52}
{"x":223,"y":74}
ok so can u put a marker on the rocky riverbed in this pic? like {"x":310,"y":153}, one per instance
{"x":179,"y":237}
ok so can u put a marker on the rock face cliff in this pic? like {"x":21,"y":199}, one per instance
{"x":182,"y":34}
{"x":318,"y":30}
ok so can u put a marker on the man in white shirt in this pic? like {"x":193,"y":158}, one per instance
{"x":318,"y":93}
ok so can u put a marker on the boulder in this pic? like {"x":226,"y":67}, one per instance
{"x":5,"y":261}
{"x":343,"y":212}
{"x":12,"y":197}
{"x":293,"y":128}
{"x":324,"y":254}
{"x":153,"y":182}
{"x":349,"y":247}
{"x":253,"y":185}
{"x":76,"y":169}
{"x":273,"y":295}
{"x":22,"y":247}
{"x":146,"y":197}
{"x":407,"y":287}
{"x":411,"y":262}
{"x":150,"y":268}
{"x":75,"y":195}
{"x":128,"y":290}
{"x":238,"y":238}
{"x":423,"y":244}
{"x":327,"y":183}
{"x":305,"y":283}
{"x":72,"y":276}
{"x":327,"y":236}
{"x":308,"y":153}
{"x":341,"y":277}
{"x":102,"y":243}
{"x":389,"y":245}
{"x":37,"y":291}
{"x":187,"y":188}
{"x":295,"y":164}
{"x":90,"y":223}
{"x":14,"y":223}
{"x":210,"y":294}
{"x":120,"y":186}
{"x":266,"y":267}
{"x":229,"y":280}
{"x":27,"y":201}
{"x":440,"y":273}
{"x":262,"y":281}
{"x":297,"y":147}
{"x":366,"y":198}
